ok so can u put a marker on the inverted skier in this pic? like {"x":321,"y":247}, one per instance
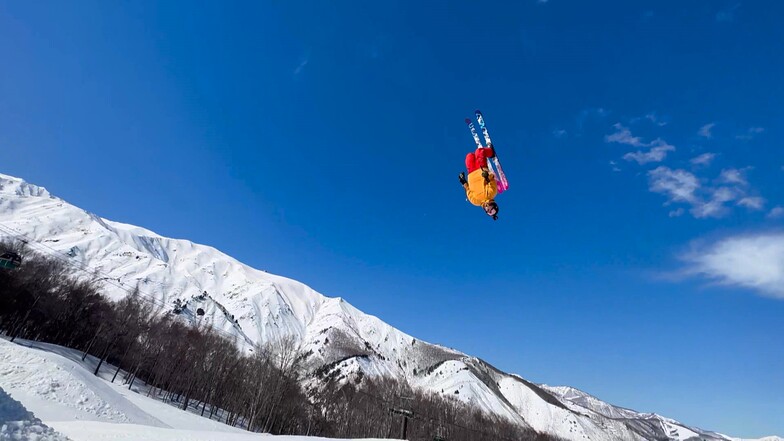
{"x":481,"y":187}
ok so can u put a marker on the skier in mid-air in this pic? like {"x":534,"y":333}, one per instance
{"x":481,"y":186}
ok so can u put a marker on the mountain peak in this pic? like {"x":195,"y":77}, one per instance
{"x":19,"y":187}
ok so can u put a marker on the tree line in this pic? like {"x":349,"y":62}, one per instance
{"x":140,"y":343}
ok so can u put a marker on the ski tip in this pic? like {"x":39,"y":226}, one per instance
{"x":468,"y":120}
{"x":478,"y":112}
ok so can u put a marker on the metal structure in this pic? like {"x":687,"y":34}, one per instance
{"x":10,"y":260}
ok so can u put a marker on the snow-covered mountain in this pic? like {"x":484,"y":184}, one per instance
{"x":340,"y":341}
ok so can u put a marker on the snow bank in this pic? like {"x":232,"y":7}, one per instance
{"x":97,"y":431}
{"x":58,"y":389}
{"x":54,"y":383}
{"x":17,"y":423}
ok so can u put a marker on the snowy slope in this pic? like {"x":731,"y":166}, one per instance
{"x":647,"y":425}
{"x":258,"y":307}
{"x":87,"y":408}
{"x":18,"y":423}
{"x":766,"y":438}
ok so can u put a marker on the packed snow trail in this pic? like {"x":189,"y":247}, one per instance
{"x":56,"y":385}
{"x":58,"y":389}
{"x":96,"y":431}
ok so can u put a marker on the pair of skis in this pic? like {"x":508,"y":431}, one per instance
{"x":492,"y":163}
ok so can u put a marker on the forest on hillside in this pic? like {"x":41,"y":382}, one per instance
{"x":49,"y":299}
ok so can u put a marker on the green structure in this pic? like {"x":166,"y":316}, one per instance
{"x":10,"y":260}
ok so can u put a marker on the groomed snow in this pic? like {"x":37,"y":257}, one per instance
{"x":53,"y":383}
{"x":96,"y":431}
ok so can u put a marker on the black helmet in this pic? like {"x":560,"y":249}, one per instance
{"x":491,"y":209}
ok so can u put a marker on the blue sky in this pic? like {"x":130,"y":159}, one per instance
{"x":639,"y":252}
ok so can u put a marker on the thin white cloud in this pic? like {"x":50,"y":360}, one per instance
{"x":657,"y":153}
{"x":677,"y":185}
{"x":752,"y":202}
{"x":302,"y":63}
{"x":750,"y":133}
{"x":652,"y":117}
{"x":776,"y":213}
{"x":714,"y":205}
{"x":702,"y":197}
{"x":751,"y":261}
{"x":623,"y":135}
{"x":704,"y":159}
{"x":705,"y":201}
{"x":614,"y":166}
{"x":706,"y":131}
{"x":734,"y":176}
{"x":658,"y":147}
{"x":560,"y":133}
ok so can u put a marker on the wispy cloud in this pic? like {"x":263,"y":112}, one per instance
{"x":751,"y":261}
{"x":653,"y":118}
{"x":302,"y":63}
{"x":676,"y":213}
{"x":689,"y":191}
{"x":706,"y":131}
{"x":659,"y":121}
{"x":714,"y":204}
{"x":750,"y":134}
{"x":705,"y":201}
{"x":623,"y":135}
{"x":657,"y":152}
{"x":752,"y":202}
{"x":560,"y":133}
{"x":734,"y":176}
{"x":704,"y":159}
{"x":677,"y":185}
{"x":727,"y":14}
{"x":614,"y":166}
{"x":776,"y":213}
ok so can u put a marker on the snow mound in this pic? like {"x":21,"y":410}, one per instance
{"x":17,"y":423}
{"x":58,"y":389}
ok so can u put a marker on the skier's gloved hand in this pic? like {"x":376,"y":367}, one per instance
{"x":486,"y":175}
{"x":462,"y":178}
